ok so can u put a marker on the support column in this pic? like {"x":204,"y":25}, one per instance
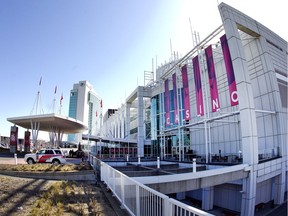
{"x":207,"y":198}
{"x":140,"y":146}
{"x":52,"y":137}
{"x":281,"y":119}
{"x":59,"y":136}
{"x":180,"y":195}
{"x":249,"y":194}
{"x":280,"y":187}
{"x":248,"y":123}
{"x":35,"y":130}
{"x":127,"y":122}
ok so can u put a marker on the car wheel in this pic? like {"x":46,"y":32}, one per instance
{"x":56,"y":162}
{"x":30,"y":161}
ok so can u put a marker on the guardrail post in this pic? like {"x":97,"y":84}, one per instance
{"x":113,"y":180}
{"x":137,"y":201}
{"x":15,"y":157}
{"x":102,"y":171}
{"x":167,"y":207}
{"x":94,"y":161}
{"x":122,"y":192}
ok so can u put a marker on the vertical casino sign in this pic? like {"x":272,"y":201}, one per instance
{"x":27,"y":141}
{"x":13,"y":139}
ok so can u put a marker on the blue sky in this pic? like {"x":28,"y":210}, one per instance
{"x":110,"y":43}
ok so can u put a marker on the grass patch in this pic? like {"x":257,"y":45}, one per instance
{"x":45,"y":167}
{"x":68,"y":197}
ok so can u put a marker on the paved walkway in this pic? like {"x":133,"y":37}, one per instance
{"x":5,"y":160}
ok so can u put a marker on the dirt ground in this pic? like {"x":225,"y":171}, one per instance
{"x":19,"y":196}
{"x":27,"y":196}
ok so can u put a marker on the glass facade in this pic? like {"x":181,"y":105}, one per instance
{"x":93,"y":113}
{"x":73,"y":103}
{"x":72,"y":110}
{"x":166,"y":139}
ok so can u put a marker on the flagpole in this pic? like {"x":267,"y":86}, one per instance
{"x":54,"y":101}
{"x":206,"y":105}
{"x":36,"y":104}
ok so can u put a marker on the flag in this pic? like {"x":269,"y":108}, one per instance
{"x":55,"y":89}
{"x":229,"y":71}
{"x":96,"y":113}
{"x":167,"y":102}
{"x":198,"y":86}
{"x":212,"y":79}
{"x":61,"y":98}
{"x":174,"y":80}
{"x":186,"y":96}
{"x":40,"y":81}
{"x":101,"y":103}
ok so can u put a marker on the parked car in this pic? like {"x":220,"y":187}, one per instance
{"x":54,"y":156}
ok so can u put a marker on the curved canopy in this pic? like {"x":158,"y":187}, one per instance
{"x":48,"y":122}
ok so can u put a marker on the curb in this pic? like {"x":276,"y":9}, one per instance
{"x":85,"y":175}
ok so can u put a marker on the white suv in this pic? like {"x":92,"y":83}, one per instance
{"x":54,"y":156}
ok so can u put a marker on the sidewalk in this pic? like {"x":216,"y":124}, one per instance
{"x":6,"y":160}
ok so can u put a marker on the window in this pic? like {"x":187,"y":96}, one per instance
{"x":48,"y":151}
{"x":58,"y":151}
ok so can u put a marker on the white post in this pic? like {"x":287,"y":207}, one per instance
{"x":127,"y":156}
{"x":122,"y":192}
{"x":139,"y":161}
{"x":15,"y":157}
{"x":194,"y":165}
{"x":158,"y":163}
{"x":137,"y":200}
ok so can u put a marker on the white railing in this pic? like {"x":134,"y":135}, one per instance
{"x":138,"y":199}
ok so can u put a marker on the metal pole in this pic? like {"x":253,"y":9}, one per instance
{"x":206,"y":114}
{"x":180,"y":118}
{"x":179,"y":144}
{"x":164,"y":147}
{"x":161,"y":142}
{"x":162,"y":117}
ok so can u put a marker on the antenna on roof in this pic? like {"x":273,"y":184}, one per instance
{"x":171,"y":49}
{"x":193,"y":41}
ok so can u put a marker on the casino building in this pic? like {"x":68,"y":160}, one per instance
{"x":223,"y":103}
